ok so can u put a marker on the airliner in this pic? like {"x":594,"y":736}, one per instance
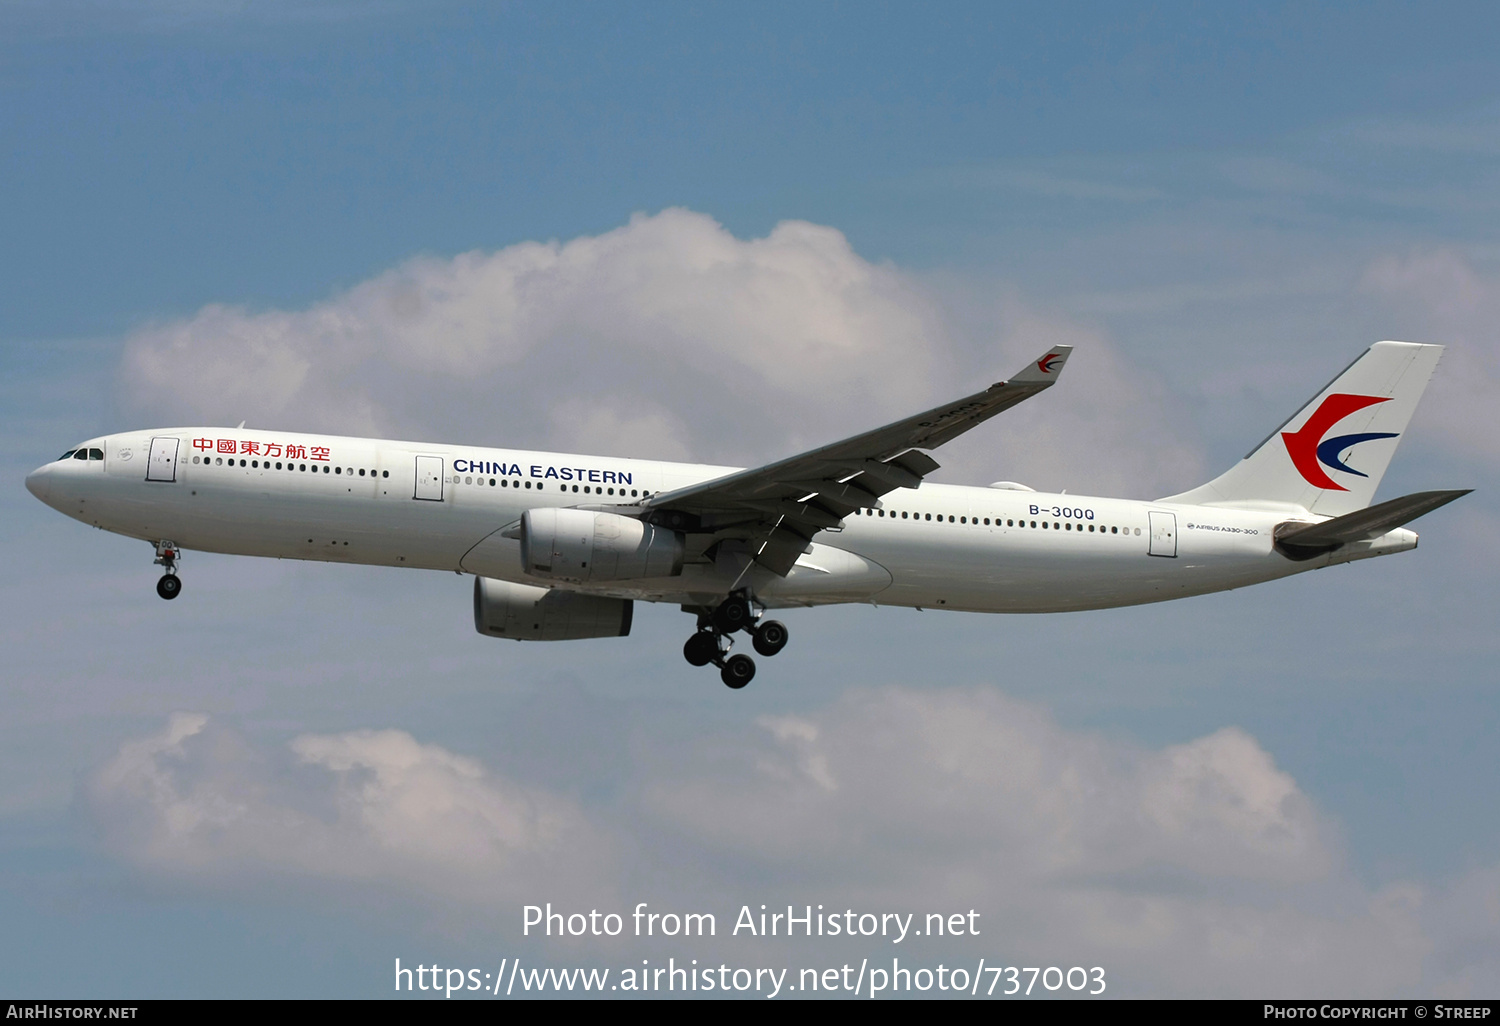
{"x":561,"y":546}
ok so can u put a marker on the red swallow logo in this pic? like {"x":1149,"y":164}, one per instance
{"x":1307,"y":447}
{"x":1045,"y":363}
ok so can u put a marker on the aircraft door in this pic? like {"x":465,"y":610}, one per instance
{"x":1163,"y":533}
{"x":429,"y":478}
{"x":162,"y":464}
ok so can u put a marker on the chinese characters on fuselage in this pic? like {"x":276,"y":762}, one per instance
{"x":274,"y":450}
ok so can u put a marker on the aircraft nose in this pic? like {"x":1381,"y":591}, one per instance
{"x":39,"y":483}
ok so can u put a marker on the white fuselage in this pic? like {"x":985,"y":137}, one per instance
{"x":440,"y":507}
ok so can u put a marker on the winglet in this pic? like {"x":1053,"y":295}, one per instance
{"x":1045,"y":369}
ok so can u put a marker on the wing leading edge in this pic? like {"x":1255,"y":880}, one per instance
{"x":775,"y":510}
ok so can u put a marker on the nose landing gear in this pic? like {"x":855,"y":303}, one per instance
{"x":712,"y":642}
{"x":170,"y":585}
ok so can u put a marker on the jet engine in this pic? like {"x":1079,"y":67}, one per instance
{"x":577,"y":545}
{"x":527,"y":613}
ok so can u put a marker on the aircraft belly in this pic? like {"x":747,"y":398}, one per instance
{"x":269,"y":518}
{"x":827,"y":574}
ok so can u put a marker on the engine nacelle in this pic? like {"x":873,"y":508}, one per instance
{"x":527,"y":613}
{"x":576,"y":545}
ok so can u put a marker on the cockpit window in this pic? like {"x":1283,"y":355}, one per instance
{"x":96,"y":454}
{"x":81,"y":454}
{"x":67,"y":455}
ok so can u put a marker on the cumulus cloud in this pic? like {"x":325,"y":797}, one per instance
{"x":365,"y":806}
{"x":978,"y":775}
{"x":669,"y":312}
{"x":1196,"y":868}
{"x":668,"y":337}
{"x":1201,"y":867}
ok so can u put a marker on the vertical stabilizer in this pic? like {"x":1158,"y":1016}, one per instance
{"x":1330,"y":456}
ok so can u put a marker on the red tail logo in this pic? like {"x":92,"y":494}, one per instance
{"x":1308,"y":449}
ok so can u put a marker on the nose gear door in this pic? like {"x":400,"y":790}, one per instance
{"x":162,"y":465}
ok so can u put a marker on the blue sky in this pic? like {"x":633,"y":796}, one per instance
{"x":1218,"y":206}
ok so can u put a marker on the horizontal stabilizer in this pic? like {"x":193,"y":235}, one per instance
{"x":1304,"y":541}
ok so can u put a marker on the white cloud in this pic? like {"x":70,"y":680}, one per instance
{"x":668,"y":337}
{"x":668,"y":312}
{"x":1198,"y":869}
{"x":612,"y":430}
{"x":365,"y":806}
{"x":1194,"y":869}
{"x":973,"y":775}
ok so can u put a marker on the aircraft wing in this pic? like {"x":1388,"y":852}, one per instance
{"x":778,"y":508}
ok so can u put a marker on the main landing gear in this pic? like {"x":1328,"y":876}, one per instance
{"x":170,"y":585}
{"x":712,"y":642}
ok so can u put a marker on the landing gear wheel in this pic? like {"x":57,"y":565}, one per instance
{"x":734,"y":613}
{"x":738,"y":671}
{"x":170,"y":586}
{"x":702,"y":648}
{"x":770,"y":637}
